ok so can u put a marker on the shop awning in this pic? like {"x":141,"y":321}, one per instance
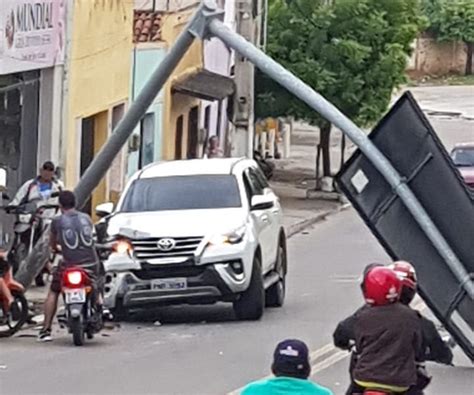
{"x":205,"y":85}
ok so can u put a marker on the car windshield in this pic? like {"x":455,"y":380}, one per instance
{"x":182,"y":193}
{"x":463,"y":157}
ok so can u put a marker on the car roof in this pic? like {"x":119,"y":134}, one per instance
{"x":190,"y":167}
{"x":464,"y":145}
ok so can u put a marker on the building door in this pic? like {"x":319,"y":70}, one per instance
{"x":87,"y":152}
{"x":116,"y":172}
{"x":193,"y":138}
{"x":19,"y":104}
{"x":93,"y":137}
{"x":147,"y":140}
{"x":178,"y":147}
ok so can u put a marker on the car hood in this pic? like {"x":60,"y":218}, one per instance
{"x":467,"y":173}
{"x":179,"y":223}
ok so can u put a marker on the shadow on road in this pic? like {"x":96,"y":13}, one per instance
{"x":219,"y":313}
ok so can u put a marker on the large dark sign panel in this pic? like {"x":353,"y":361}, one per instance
{"x":407,"y":139}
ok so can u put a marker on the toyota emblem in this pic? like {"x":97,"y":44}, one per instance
{"x":166,"y":244}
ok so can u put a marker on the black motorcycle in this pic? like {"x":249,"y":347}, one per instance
{"x":266,"y":166}
{"x":29,"y":225}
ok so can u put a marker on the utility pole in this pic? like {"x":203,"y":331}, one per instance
{"x":242,"y":130}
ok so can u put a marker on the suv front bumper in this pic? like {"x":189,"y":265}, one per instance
{"x":220,"y":274}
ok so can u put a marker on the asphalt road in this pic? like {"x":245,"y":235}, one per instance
{"x":204,"y":351}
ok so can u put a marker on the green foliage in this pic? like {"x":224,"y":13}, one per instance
{"x":353,"y":52}
{"x":451,"y":20}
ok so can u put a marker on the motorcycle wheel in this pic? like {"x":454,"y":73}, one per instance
{"x":12,"y":326}
{"x":77,"y":330}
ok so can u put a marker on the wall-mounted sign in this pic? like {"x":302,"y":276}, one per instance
{"x":32,"y":34}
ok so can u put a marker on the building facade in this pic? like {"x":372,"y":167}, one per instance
{"x":97,"y":87}
{"x":31,"y":57}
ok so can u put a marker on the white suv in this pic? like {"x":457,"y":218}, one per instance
{"x":199,"y":232}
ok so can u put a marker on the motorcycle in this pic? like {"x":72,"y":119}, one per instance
{"x":81,"y":317}
{"x":266,"y":166}
{"x":29,"y":225}
{"x":9,"y":323}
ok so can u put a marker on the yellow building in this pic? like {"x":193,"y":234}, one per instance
{"x":190,"y":87}
{"x":180,"y":115}
{"x":98,"y":83}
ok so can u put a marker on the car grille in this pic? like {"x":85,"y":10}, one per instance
{"x":146,"y":249}
{"x":169,"y":272}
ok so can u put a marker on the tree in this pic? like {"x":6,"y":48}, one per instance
{"x":453,"y":20}
{"x":353,"y":52}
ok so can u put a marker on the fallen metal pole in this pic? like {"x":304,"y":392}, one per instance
{"x":297,"y":87}
{"x":101,"y":163}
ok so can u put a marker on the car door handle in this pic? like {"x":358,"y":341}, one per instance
{"x":265,"y":218}
{"x":275,"y":210}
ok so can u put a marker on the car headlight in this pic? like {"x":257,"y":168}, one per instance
{"x":123,"y":247}
{"x":234,"y":237}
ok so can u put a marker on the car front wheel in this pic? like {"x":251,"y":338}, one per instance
{"x":251,"y":303}
{"x":275,"y":295}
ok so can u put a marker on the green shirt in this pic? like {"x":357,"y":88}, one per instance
{"x":284,"y":386}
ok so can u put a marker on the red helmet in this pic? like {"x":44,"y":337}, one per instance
{"x":406,"y":272}
{"x":407,"y":275}
{"x":381,"y":286}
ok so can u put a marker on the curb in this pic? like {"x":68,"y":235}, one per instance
{"x":306,"y":223}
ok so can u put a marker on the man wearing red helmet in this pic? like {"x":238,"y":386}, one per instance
{"x":386,"y":334}
{"x":433,"y":347}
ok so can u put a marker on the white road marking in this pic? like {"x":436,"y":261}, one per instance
{"x":332,"y":359}
{"x":326,"y":363}
{"x":315,"y":368}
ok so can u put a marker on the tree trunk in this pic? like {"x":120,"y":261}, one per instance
{"x":470,"y":50}
{"x":343,"y":150}
{"x":325,"y":139}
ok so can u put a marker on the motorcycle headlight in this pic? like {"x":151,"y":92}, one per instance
{"x":234,"y":237}
{"x":24,"y":218}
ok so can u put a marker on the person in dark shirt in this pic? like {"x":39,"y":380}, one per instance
{"x":73,"y":232}
{"x":433,"y":347}
{"x":386,"y":335}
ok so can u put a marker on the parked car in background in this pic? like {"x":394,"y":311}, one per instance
{"x":463,"y":158}
{"x":198,"y":232}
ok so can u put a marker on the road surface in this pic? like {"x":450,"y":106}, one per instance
{"x":204,"y":351}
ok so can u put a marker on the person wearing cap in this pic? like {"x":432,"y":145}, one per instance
{"x":291,"y":368}
{"x":39,"y":189}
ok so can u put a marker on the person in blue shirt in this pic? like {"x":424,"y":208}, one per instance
{"x":292,"y":369}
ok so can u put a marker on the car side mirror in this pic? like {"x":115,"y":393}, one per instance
{"x":262,"y":202}
{"x":104,"y":209}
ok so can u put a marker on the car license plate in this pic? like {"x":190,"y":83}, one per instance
{"x":169,"y":284}
{"x":75,"y":295}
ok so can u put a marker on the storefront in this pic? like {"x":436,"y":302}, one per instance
{"x":31,"y":42}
